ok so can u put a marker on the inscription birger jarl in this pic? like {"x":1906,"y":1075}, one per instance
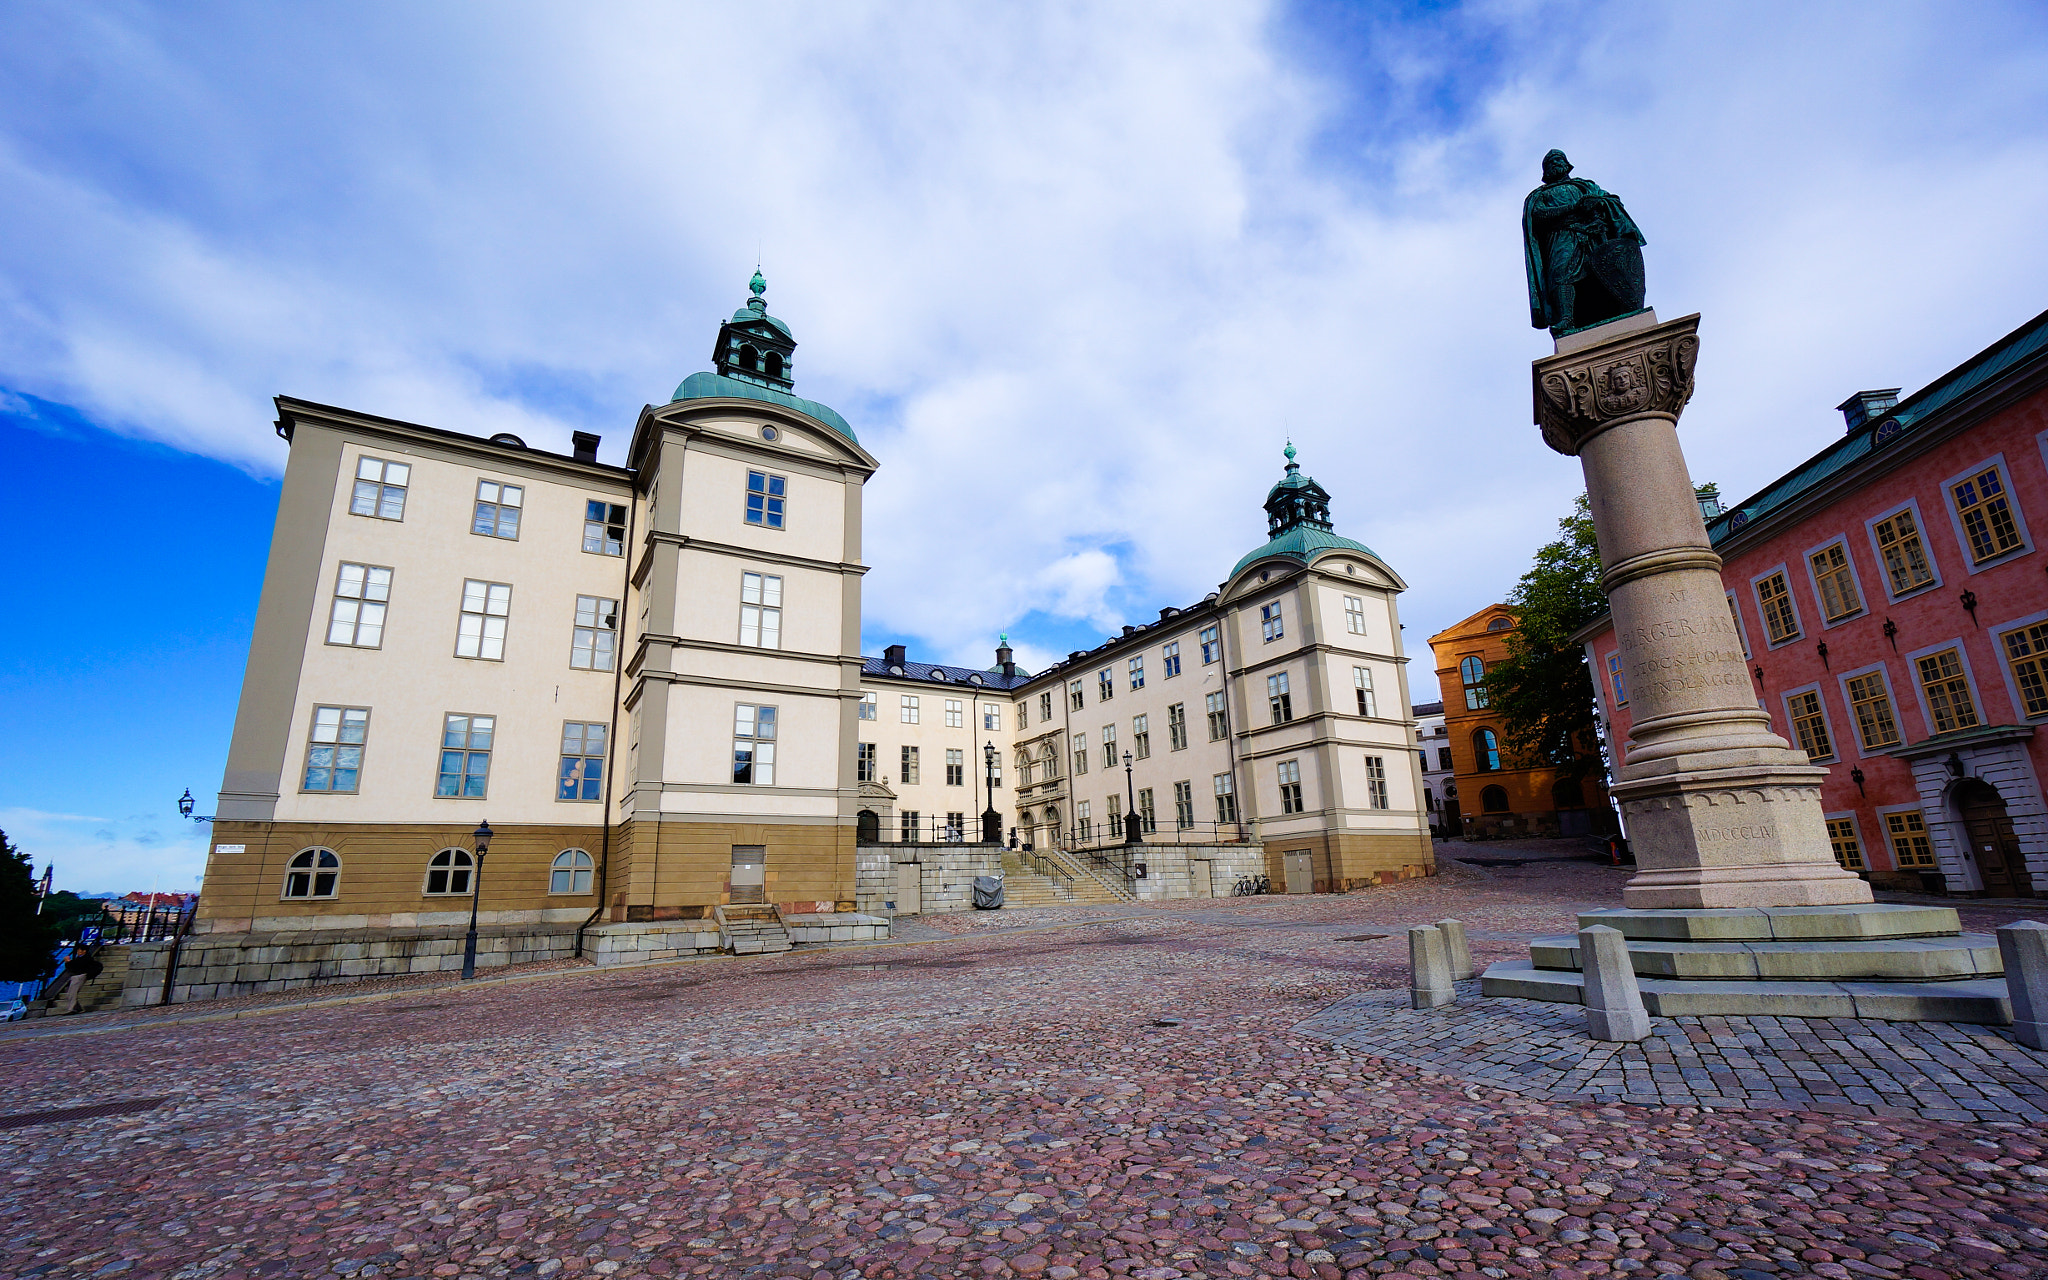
{"x":1676,"y":629}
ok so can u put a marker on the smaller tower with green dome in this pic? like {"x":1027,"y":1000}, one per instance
{"x":754,"y":346}
{"x":1298,"y":520}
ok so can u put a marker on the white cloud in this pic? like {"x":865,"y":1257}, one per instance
{"x":1074,"y":271}
{"x":102,"y":855}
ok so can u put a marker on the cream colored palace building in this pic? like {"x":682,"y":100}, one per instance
{"x":648,"y":680}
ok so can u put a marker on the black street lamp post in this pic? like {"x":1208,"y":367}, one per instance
{"x":476,"y":893}
{"x":1134,"y":827}
{"x":991,"y":821}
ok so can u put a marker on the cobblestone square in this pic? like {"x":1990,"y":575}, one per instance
{"x":1213,"y":1088}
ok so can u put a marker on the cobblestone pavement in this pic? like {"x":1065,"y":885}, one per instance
{"x":1124,"y":1098}
{"x":1842,"y":1066}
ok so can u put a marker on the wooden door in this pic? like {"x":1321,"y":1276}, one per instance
{"x":909,"y":889}
{"x":1988,"y":828}
{"x":1301,"y":876}
{"x":1199,"y":883}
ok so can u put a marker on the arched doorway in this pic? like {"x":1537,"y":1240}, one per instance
{"x":1993,"y":846}
{"x":867,"y":828}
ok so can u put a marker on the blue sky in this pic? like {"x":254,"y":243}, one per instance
{"x":1074,"y":271}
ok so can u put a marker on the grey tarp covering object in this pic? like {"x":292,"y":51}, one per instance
{"x":988,"y":893}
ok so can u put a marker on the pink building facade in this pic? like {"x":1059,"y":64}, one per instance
{"x":1893,"y":609}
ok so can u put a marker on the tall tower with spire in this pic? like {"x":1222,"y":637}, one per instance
{"x":754,"y":346}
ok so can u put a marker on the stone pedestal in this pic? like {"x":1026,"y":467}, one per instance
{"x":1721,"y":811}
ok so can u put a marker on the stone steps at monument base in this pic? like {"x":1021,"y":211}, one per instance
{"x":1968,"y":955}
{"x":1858,"y":922}
{"x":1976,"y":1000}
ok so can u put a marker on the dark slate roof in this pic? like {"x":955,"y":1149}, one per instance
{"x":933,"y":673}
{"x":2022,"y":346}
{"x":1428,"y":708}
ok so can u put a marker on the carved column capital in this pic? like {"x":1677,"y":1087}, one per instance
{"x":1642,"y":373}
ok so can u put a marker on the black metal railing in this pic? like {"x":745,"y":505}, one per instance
{"x":118,"y":928}
{"x":1105,"y":835}
{"x":933,"y":829}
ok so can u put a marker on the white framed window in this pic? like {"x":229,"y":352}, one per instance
{"x":449,"y":873}
{"x":497,"y":509}
{"x":1834,"y":582}
{"x":1169,"y":659}
{"x":594,"y":640}
{"x":1279,"y":699}
{"x":910,"y":771}
{"x":380,"y":489}
{"x":1376,"y":781}
{"x":2026,"y":654}
{"x":1289,"y":772}
{"x":1184,"y":805}
{"x":1226,"y":798}
{"x":1080,"y":753}
{"x":1988,"y":524}
{"x":1113,"y":816}
{"x":1810,"y":724}
{"x":1354,"y":615}
{"x":1774,"y":602}
{"x":907,"y":708}
{"x":1361,"y":684}
{"x":766,"y":498}
{"x":1084,"y":821}
{"x":1109,"y":746}
{"x":1848,"y":850}
{"x":992,"y":717}
{"x":1147,"y":815}
{"x":1903,"y":552}
{"x":580,"y":774}
{"x":1618,"y":678}
{"x":1177,"y":727}
{"x":864,"y":762}
{"x":480,"y":633}
{"x":1137,"y":668}
{"x":312,"y":873}
{"x":334,"y":749}
{"x":753,"y":745}
{"x":907,"y":824}
{"x":1870,"y":705}
{"x":465,"y":771}
{"x":362,"y":592}
{"x":1141,"y":737}
{"x":1741,"y":632}
{"x":604,"y":529}
{"x":1212,"y":643}
{"x":1045,"y":707}
{"x":956,"y":714}
{"x":1270,"y":624}
{"x":1074,"y":699}
{"x":956,"y":767}
{"x":1105,"y":684}
{"x":761,"y":610}
{"x":868,"y":708}
{"x":570,"y":872}
{"x":1219,"y":716}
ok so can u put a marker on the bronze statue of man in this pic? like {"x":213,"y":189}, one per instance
{"x":1583,"y":252}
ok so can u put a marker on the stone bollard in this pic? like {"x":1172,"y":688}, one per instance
{"x":2023,"y":946}
{"x":1614,"y":1004}
{"x":1429,"y":969}
{"x":1457,"y":950}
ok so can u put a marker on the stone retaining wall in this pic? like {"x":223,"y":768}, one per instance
{"x":609,"y":945}
{"x":947,"y":880}
{"x":213,"y":966}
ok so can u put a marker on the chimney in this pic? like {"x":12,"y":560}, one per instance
{"x":585,"y":444}
{"x":1005,"y":659}
{"x":1129,"y":629}
{"x":1865,"y":405}
{"x":893,"y":655}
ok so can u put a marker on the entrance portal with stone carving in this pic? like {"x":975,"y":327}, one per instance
{"x":1993,"y":845}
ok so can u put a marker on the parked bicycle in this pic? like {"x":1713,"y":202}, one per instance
{"x":1250,"y":886}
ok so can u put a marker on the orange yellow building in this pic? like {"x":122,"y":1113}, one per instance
{"x":1494,"y":797}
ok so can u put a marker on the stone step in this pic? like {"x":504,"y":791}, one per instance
{"x":1968,"y":955}
{"x":1781,"y":924}
{"x":1976,"y":1000}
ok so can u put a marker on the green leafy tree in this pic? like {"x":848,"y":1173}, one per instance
{"x":26,"y":939}
{"x":1543,"y":691}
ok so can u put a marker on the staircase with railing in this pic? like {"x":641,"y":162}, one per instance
{"x":1049,"y":879}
